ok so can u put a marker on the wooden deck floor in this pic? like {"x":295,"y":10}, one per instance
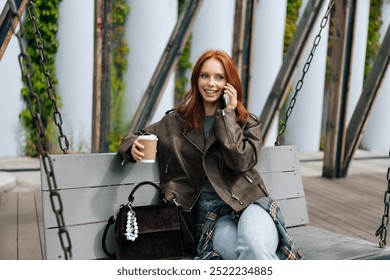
{"x":351,"y":206}
{"x":21,"y":230}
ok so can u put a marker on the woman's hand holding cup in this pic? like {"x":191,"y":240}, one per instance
{"x":136,"y":150}
{"x":144,"y":148}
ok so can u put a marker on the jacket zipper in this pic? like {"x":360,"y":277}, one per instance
{"x":248,"y":178}
{"x":226,"y":128}
{"x":193,"y":143}
{"x":193,"y":203}
{"x":201,"y":150}
{"x":166,"y":168}
{"x":231,"y":192}
{"x":236,"y":197}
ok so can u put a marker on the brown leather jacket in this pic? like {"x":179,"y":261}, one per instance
{"x":228,"y":157}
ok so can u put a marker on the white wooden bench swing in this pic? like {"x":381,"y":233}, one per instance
{"x":84,"y":190}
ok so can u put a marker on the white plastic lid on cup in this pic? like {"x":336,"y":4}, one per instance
{"x":148,"y":137}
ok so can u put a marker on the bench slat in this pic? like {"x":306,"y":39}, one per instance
{"x":282,"y":185}
{"x":294,"y":211}
{"x":86,"y":242}
{"x":91,"y":205}
{"x":319,"y":244}
{"x":97,"y":170}
{"x":91,"y":170}
{"x":278,"y":159}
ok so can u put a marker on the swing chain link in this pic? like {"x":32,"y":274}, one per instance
{"x":382,"y":230}
{"x":35,"y":109}
{"x":305,"y":69}
{"x":62,"y":139}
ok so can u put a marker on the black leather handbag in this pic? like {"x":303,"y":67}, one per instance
{"x":149,"y":232}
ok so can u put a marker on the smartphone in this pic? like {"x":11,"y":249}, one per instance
{"x":225,"y":100}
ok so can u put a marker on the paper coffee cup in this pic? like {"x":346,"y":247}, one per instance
{"x":150,"y":144}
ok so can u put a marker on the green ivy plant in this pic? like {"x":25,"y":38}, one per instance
{"x":184,"y":64}
{"x":292,"y":15}
{"x":47,"y":13}
{"x":119,"y":52}
{"x":291,"y":21}
{"x":373,"y":35}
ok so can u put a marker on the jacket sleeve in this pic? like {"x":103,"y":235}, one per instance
{"x":125,"y":146}
{"x":240,"y":144}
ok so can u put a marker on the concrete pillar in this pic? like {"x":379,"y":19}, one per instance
{"x":304,"y":125}
{"x":11,"y":103}
{"x":74,"y":72}
{"x":377,"y":133}
{"x":358,"y":55}
{"x":267,"y":56}
{"x":148,"y":28}
{"x":74,"y":64}
{"x":213,"y":27}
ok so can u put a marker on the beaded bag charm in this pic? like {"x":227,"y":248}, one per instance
{"x":131,"y":226}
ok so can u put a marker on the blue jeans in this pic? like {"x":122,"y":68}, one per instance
{"x":253,"y":237}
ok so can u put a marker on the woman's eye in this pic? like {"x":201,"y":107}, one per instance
{"x":203,"y":75}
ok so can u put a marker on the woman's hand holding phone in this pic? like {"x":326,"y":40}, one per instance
{"x":230,"y":97}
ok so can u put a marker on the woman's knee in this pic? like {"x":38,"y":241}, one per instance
{"x":257,"y":234}
{"x":225,"y":237}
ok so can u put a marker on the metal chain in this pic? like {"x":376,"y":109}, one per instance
{"x":35,"y":108}
{"x":305,"y":69}
{"x":382,"y":230}
{"x":62,"y":139}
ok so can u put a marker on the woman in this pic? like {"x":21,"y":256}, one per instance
{"x":208,"y":147}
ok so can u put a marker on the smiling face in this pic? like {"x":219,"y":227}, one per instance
{"x":211,"y":83}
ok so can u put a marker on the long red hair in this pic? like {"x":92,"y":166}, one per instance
{"x":192,"y":105}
